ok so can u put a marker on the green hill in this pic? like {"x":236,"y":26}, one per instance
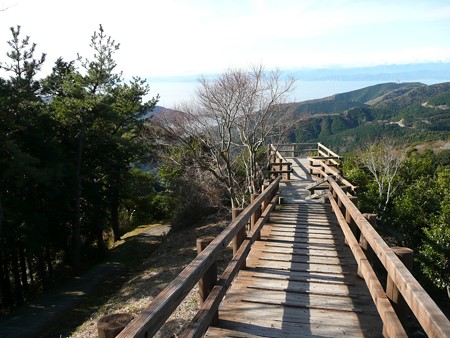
{"x":409,"y":112}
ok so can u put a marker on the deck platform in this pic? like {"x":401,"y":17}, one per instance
{"x":301,"y":279}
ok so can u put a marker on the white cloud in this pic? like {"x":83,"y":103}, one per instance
{"x":176,"y":37}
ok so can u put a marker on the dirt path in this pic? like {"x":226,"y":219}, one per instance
{"x":38,"y":318}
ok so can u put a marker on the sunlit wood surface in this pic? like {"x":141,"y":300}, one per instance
{"x":301,"y":279}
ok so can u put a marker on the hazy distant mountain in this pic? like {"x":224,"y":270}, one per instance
{"x":439,"y":71}
{"x":391,"y":73}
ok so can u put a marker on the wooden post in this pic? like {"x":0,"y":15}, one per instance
{"x":352,"y":224}
{"x":209,"y":279}
{"x":370,"y":254}
{"x":240,"y":236}
{"x":349,"y":220}
{"x":339,"y":202}
{"x":406,"y":255}
{"x":111,"y":325}
{"x":287,"y":176}
{"x":256,"y":215}
{"x":266,"y":202}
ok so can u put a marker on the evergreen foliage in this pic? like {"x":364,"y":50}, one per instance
{"x":69,"y":148}
{"x":418,"y":217}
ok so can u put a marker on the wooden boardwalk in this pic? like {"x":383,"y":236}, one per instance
{"x":301,"y":279}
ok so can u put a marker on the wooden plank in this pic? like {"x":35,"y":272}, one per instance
{"x":335,"y":290}
{"x":298,"y":246}
{"x":291,"y":230}
{"x":303,"y":252}
{"x":323,"y":241}
{"x":277,"y":321}
{"x":301,"y":277}
{"x":203,"y":318}
{"x":218,"y":332}
{"x":281,"y":275}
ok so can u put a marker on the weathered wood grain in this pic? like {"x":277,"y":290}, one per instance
{"x":299,"y":282}
{"x":431,"y":318}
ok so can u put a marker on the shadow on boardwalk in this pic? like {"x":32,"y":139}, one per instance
{"x":37,"y":318}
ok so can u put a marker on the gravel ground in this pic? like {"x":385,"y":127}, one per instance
{"x":167,"y":261}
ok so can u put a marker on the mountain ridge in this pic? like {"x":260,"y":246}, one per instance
{"x":409,"y":112}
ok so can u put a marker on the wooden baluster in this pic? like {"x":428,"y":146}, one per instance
{"x":209,"y":279}
{"x":266,"y":202}
{"x":406,"y":255}
{"x":256,"y":215}
{"x":240,"y":236}
{"x":288,"y":168}
{"x":370,"y":254}
{"x":339,"y":203}
{"x":352,"y":224}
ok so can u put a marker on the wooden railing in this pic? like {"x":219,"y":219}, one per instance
{"x":402,"y":293}
{"x":154,"y":316}
{"x":278,"y":165}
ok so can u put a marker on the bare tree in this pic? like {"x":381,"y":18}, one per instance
{"x":227,"y":124}
{"x":4,"y":6}
{"x":383,"y":161}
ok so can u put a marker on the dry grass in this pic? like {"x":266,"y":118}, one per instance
{"x":166,"y":262}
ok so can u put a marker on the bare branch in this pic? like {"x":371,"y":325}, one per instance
{"x":231,"y":118}
{"x":383,"y":161}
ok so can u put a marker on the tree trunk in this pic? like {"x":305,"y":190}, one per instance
{"x":41,"y":271}
{"x":1,"y":213}
{"x":23,"y":269}
{"x":48,"y":258}
{"x":77,"y":223}
{"x":114,"y":206}
{"x":30,"y":269}
{"x":7,"y":299}
{"x":18,"y":291}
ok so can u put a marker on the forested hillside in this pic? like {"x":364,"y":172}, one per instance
{"x":410,"y":112}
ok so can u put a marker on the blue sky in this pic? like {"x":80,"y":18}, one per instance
{"x":161,"y":38}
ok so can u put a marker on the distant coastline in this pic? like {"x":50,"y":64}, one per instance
{"x":315,"y":83}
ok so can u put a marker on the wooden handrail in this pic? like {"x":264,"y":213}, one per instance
{"x":277,"y":159}
{"x":326,"y":151}
{"x":384,"y":307}
{"x":162,"y":306}
{"x":276,"y":152}
{"x":326,"y":171}
{"x":430,"y":317}
{"x":199,"y":323}
{"x":297,"y":148}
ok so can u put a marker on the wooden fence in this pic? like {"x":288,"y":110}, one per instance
{"x":402,"y":292}
{"x":394,"y":297}
{"x":153,"y":317}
